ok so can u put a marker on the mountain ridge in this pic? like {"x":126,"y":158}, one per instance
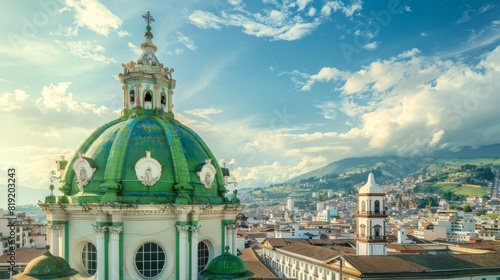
{"x":393,"y":166}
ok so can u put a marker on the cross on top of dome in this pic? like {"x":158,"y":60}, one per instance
{"x":148,"y":18}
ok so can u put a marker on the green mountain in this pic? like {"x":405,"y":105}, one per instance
{"x":392,"y":167}
{"x":387,"y":167}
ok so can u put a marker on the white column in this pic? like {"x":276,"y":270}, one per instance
{"x":62,"y":236}
{"x":126,"y":97}
{"x":170,"y":103}
{"x":234,"y":233}
{"x":231,"y":238}
{"x":194,"y":252}
{"x":114,"y":252}
{"x":55,"y":239}
{"x":101,"y":261}
{"x":183,"y":256}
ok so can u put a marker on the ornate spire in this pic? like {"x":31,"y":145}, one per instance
{"x":148,"y":48}
{"x":146,"y":83}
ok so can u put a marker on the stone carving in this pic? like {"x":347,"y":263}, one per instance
{"x":83,"y":170}
{"x":207,"y":174}
{"x":148,"y":170}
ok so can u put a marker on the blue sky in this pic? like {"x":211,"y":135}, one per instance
{"x":275,"y":88}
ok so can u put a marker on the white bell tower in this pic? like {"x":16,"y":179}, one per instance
{"x":370,"y":220}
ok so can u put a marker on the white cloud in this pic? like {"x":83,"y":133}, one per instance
{"x":87,"y":50}
{"x":137,"y":50}
{"x":302,"y":4}
{"x":371,"y":46}
{"x":328,"y":110}
{"x":12,"y":101}
{"x":281,"y":22}
{"x":66,"y":31}
{"x":347,"y":10}
{"x":203,"y":113}
{"x":324,"y":75}
{"x":311,"y":12}
{"x":411,"y":103}
{"x":122,"y":33}
{"x":94,"y":15}
{"x":407,"y":8}
{"x":186,"y":41}
{"x":424,"y":34}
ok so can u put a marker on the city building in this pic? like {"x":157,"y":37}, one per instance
{"x":302,"y":260}
{"x":143,"y":197}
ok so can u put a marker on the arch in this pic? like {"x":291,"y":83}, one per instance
{"x":376,"y":207}
{"x":89,"y":258}
{"x":204,"y":254}
{"x":132,"y":97}
{"x":362,"y":231}
{"x":148,"y":100}
{"x":163,"y":99}
{"x":376,"y":231}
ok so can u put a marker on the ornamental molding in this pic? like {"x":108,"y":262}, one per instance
{"x":231,"y":226}
{"x":182,"y":228}
{"x":148,"y":170}
{"x":99,"y":230}
{"x":83,"y":170}
{"x":207,"y":174}
{"x":115,"y":230}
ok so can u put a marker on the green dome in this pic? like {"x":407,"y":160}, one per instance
{"x":226,"y":266}
{"x":47,"y":266}
{"x":145,"y":156}
{"x":111,"y":155}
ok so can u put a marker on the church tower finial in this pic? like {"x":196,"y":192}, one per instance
{"x":147,"y":85}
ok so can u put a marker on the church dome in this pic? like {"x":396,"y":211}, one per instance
{"x":146,"y":155}
{"x":371,"y":186}
{"x":46,"y":266}
{"x":226,"y":266}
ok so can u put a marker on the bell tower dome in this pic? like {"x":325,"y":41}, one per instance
{"x":147,"y":85}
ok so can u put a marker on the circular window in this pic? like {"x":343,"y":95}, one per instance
{"x":150,"y":260}
{"x":203,"y":256}
{"x":89,"y":258}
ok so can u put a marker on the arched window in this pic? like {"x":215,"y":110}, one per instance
{"x":163,"y":99}
{"x":377,"y":207}
{"x":150,"y":259}
{"x":89,"y":258}
{"x":132,"y":95}
{"x":363,"y":207}
{"x":376,"y":231}
{"x":203,"y":255}
{"x":362,"y":231}
{"x":148,"y":98}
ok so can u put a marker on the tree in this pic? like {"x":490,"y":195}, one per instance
{"x":467,"y":208}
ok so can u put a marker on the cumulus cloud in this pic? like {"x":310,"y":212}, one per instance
{"x":411,"y":102}
{"x":95,"y":16}
{"x":12,"y":101}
